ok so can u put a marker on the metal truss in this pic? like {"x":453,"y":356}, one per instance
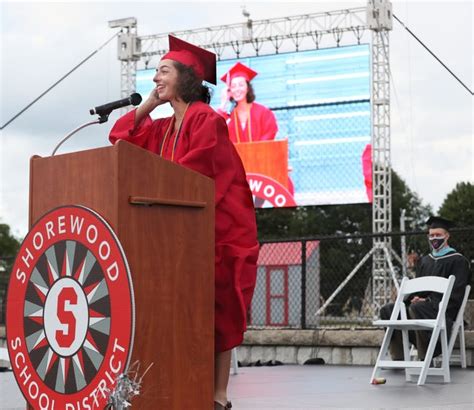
{"x":251,"y":37}
{"x":383,"y":277}
{"x":128,"y":49}
{"x":381,"y":168}
{"x":297,"y":33}
{"x":128,"y":75}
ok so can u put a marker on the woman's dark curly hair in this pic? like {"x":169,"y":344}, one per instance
{"x":250,"y":93}
{"x":190,"y":87}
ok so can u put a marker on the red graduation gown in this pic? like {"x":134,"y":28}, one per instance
{"x":262,"y":125}
{"x":204,"y":146}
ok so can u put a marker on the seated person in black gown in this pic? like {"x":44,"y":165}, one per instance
{"x":441,"y":261}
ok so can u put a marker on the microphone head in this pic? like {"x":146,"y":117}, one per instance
{"x":135,"y":99}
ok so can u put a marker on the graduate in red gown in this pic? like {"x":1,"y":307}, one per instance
{"x":196,"y":137}
{"x":248,"y":121}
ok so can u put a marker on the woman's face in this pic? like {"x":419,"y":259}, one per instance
{"x":238,"y":88}
{"x":166,"y":79}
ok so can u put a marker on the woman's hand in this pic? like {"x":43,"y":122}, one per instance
{"x":154,"y":98}
{"x":148,"y":106}
{"x":225,"y":98}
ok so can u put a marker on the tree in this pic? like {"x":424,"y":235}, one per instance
{"x":458,"y":205}
{"x":404,"y":198}
{"x":9,"y":247}
{"x":280,"y":223}
{"x":338,"y":257}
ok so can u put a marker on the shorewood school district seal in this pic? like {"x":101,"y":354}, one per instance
{"x":70,"y":311}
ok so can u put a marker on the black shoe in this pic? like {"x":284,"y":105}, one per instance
{"x":219,"y":406}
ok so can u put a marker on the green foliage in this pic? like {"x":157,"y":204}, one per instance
{"x":339,"y":257}
{"x":9,"y":247}
{"x":304,"y":221}
{"x":404,"y":198}
{"x":458,"y":205}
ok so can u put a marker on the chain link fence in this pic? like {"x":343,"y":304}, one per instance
{"x":312,"y":270}
{"x":320,"y":282}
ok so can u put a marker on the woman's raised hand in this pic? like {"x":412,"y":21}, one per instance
{"x":225,"y":98}
{"x":148,"y":106}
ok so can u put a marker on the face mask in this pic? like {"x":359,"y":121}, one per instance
{"x":437,"y":242}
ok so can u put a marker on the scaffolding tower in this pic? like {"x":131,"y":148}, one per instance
{"x":379,"y":20}
{"x":298,"y":33}
{"x":128,"y":53}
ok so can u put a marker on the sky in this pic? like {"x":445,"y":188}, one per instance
{"x":432,"y":115}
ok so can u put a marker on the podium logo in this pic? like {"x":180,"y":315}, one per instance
{"x":70,"y":311}
{"x":269,"y":193}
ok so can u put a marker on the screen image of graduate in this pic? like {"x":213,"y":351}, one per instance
{"x":196,"y":137}
{"x":247,"y":120}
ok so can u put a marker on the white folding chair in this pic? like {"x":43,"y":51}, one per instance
{"x":437,"y":326}
{"x":457,"y":329}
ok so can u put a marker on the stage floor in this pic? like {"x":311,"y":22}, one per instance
{"x":320,"y":387}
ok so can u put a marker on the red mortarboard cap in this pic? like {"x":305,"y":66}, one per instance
{"x":438,"y":222}
{"x":202,"y":61}
{"x":239,"y":70}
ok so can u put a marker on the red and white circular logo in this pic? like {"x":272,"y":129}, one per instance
{"x":70,"y":311}
{"x":269,"y":193}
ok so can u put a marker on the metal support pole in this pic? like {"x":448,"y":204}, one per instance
{"x":392,"y":270}
{"x":129,"y":51}
{"x":303,"y":284}
{"x":394,"y":254}
{"x":403,"y":243}
{"x":379,"y":19}
{"x":344,"y":282}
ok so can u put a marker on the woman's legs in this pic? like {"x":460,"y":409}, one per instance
{"x":221,"y":376}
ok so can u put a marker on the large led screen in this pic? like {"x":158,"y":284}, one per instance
{"x":321,"y":153}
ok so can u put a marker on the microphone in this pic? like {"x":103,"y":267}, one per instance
{"x":106,"y":109}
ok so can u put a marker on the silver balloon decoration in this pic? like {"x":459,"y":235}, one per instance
{"x":127,"y":386}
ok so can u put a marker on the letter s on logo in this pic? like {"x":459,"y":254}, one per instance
{"x":66,"y":317}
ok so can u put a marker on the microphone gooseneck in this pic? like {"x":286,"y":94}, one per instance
{"x":98,"y":121}
{"x":103,"y":112}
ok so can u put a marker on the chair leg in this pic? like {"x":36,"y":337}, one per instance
{"x":406,"y":352}
{"x":445,"y":357}
{"x":452,"y":340}
{"x":382,"y":353}
{"x":462,"y":346}
{"x":429,"y":356}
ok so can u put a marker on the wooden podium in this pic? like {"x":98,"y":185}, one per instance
{"x":163,"y":215}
